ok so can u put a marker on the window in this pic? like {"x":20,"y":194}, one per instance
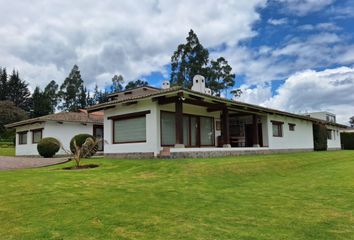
{"x":329,"y":134}
{"x":22,"y":138}
{"x":130,"y":130}
{"x":277,"y":129}
{"x":36,"y":135}
{"x":206,"y":131}
{"x":330,"y":118}
{"x":168,"y":128}
{"x":197,"y":130}
{"x":292,"y":126}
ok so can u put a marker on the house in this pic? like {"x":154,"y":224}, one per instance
{"x":62,"y":126}
{"x":333,"y":131}
{"x":180,"y":122}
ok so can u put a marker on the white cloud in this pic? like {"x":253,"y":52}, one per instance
{"x":277,"y":22}
{"x":328,"y":90}
{"x":134,"y":38}
{"x":304,"y":7}
{"x":256,"y":95}
{"x":325,"y":26}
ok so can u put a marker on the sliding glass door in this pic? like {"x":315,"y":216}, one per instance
{"x":197,"y":130}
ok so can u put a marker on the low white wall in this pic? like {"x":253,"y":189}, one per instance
{"x":335,"y":142}
{"x":301,"y":138}
{"x":152,"y":143}
{"x":29,"y":148}
{"x":63,"y":132}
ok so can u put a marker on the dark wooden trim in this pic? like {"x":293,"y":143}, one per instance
{"x":126,"y":118}
{"x":255,"y":130}
{"x":22,"y":132}
{"x":196,"y":97}
{"x":19,"y":139}
{"x":225,"y":130}
{"x":129,"y":115}
{"x":179,"y":121}
{"x":280,"y":125}
{"x":130,"y":103}
{"x":292,"y":126}
{"x":276,"y":122}
{"x":190,"y":130}
{"x":94,"y":129}
{"x":36,"y":130}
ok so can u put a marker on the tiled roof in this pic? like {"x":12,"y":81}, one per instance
{"x":229,"y":102}
{"x":81,"y":117}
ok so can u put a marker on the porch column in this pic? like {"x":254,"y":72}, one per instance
{"x":225,"y":130}
{"x":255,"y":131}
{"x":179,"y":122}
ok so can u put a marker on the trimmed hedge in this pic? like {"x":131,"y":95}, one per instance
{"x":80,"y":139}
{"x":48,"y":147}
{"x":320,"y":137}
{"x":347,"y":139}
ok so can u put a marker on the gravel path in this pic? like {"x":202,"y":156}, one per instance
{"x":7,"y":163}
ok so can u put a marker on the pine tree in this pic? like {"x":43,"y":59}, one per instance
{"x":135,"y":84}
{"x":51,"y":92}
{"x":71,"y":91}
{"x":99,"y":96}
{"x":18,"y":92}
{"x":188,"y":60}
{"x":3,"y":84}
{"x":351,"y":121}
{"x":83,"y":97}
{"x":41,"y":103}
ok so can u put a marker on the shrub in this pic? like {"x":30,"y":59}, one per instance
{"x":347,"y":140}
{"x":320,"y":137}
{"x":48,"y":147}
{"x":80,"y":139}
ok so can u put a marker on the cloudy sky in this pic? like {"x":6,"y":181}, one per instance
{"x":294,"y":55}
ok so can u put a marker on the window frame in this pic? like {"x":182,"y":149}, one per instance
{"x":19,"y":137}
{"x":292,"y":127}
{"x":280,"y":126}
{"x":36,"y":130}
{"x":128,"y":117}
{"x":329,"y":134}
{"x":190,"y":134}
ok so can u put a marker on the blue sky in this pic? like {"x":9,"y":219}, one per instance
{"x":294,"y":55}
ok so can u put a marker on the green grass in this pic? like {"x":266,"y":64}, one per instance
{"x":8,"y":151}
{"x":282,"y":196}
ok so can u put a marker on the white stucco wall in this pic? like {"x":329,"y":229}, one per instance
{"x":152,"y":143}
{"x":63,"y":132}
{"x":301,"y":138}
{"x":335,"y":142}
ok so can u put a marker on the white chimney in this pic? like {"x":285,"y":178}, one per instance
{"x":208,"y":91}
{"x":198,"y":83}
{"x":165,"y":84}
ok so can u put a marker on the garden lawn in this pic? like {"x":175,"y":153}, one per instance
{"x":280,"y":196}
{"x":8,"y":151}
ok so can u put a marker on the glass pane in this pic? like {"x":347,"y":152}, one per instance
{"x":275,"y":130}
{"x":37,"y":136}
{"x":130,"y":130}
{"x":206,"y":131}
{"x":194,"y":129}
{"x":168,"y":128}
{"x":186,"y":130}
{"x":22,"y":138}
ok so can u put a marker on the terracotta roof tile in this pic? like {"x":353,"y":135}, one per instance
{"x":80,"y":117}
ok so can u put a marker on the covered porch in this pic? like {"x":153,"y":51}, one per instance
{"x":191,"y":123}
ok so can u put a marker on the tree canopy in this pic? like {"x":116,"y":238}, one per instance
{"x":191,"y":58}
{"x":351,"y":121}
{"x":135,"y":84}
{"x":9,"y":113}
{"x":72,"y":92}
